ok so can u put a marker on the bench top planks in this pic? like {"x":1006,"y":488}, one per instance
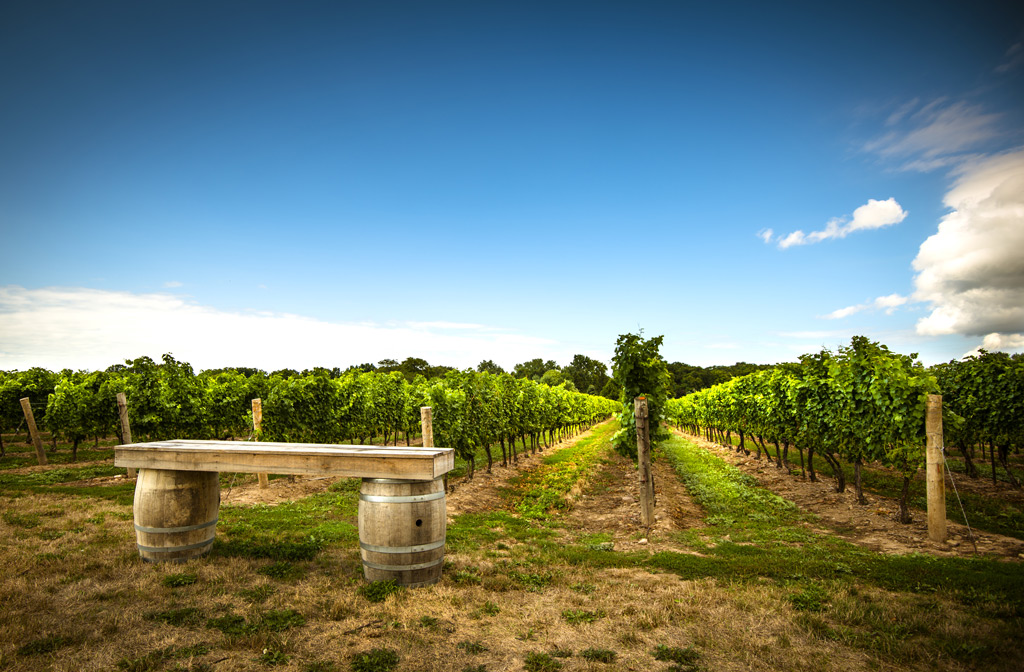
{"x":416,"y":464}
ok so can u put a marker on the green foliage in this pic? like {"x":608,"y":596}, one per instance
{"x":281,"y":619}
{"x":580,"y":616}
{"x":862,"y":403}
{"x":23,"y":520}
{"x":472,"y":647}
{"x":375,"y":660}
{"x":272,"y":656}
{"x":598,"y":655}
{"x":283,"y":570}
{"x":686,"y":658}
{"x":258,"y":594}
{"x":182,"y":617}
{"x":639,"y":370}
{"x":179,"y":580}
{"x":812,"y":599}
{"x":378,"y":591}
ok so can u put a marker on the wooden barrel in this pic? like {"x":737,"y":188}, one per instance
{"x":401,"y":530}
{"x":175,"y":514}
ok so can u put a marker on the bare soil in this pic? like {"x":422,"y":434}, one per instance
{"x":875,"y":525}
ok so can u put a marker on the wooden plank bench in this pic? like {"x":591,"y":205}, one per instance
{"x":402,"y":518}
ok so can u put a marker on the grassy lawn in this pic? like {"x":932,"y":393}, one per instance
{"x":755,"y":588}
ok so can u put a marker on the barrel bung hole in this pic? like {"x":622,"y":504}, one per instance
{"x":419,"y":522}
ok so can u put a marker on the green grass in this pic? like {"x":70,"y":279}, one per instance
{"x":290,"y":531}
{"x":58,"y":475}
{"x":536,"y":493}
{"x":757,"y":534}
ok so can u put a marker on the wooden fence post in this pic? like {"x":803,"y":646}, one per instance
{"x":26,"y":407}
{"x":643,"y":446}
{"x":427,"y":424}
{"x":257,"y":422}
{"x":935,"y":481}
{"x":126,"y":428}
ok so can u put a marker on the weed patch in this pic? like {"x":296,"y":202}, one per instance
{"x":282,"y":570}
{"x":541,"y":662}
{"x":375,"y":660}
{"x":179,"y":580}
{"x":581,"y":616}
{"x":471,"y":647}
{"x":378,"y":591}
{"x":686,"y":659}
{"x":598,"y":655}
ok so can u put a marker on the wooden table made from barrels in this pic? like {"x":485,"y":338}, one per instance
{"x":402,"y":518}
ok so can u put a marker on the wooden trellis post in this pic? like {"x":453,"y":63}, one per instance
{"x":257,"y":422}
{"x":126,"y":428}
{"x":935,"y":481}
{"x":643,"y":446}
{"x":26,"y":407}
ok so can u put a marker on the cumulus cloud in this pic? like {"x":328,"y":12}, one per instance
{"x":92,"y":329}
{"x":971,"y":272}
{"x":887,"y":303}
{"x":998,"y":343}
{"x":872,"y":215}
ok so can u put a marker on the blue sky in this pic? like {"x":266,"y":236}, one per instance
{"x":300,"y":184}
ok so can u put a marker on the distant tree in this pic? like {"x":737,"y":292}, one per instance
{"x":412,"y":367}
{"x":439,"y":371}
{"x":488,"y":366}
{"x":587,"y":374}
{"x":552,"y":377}
{"x":387,"y":365}
{"x":611,"y":390}
{"x":533,"y":369}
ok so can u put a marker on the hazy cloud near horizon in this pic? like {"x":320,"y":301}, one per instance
{"x":92,"y":329}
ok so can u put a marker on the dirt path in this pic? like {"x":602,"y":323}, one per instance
{"x":611,"y":505}
{"x":874,"y":526}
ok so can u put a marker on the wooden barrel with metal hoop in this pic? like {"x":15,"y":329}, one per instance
{"x":402,"y":530}
{"x":175,"y":514}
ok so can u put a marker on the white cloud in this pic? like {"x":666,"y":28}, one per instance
{"x":971,"y":271}
{"x":887,"y":303}
{"x":91,"y":329}
{"x":872,"y":215}
{"x":171,"y":284}
{"x":999,"y":343}
{"x":765,"y":235}
{"x":845,"y":312}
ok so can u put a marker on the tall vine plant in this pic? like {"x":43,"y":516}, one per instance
{"x":639,"y":370}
